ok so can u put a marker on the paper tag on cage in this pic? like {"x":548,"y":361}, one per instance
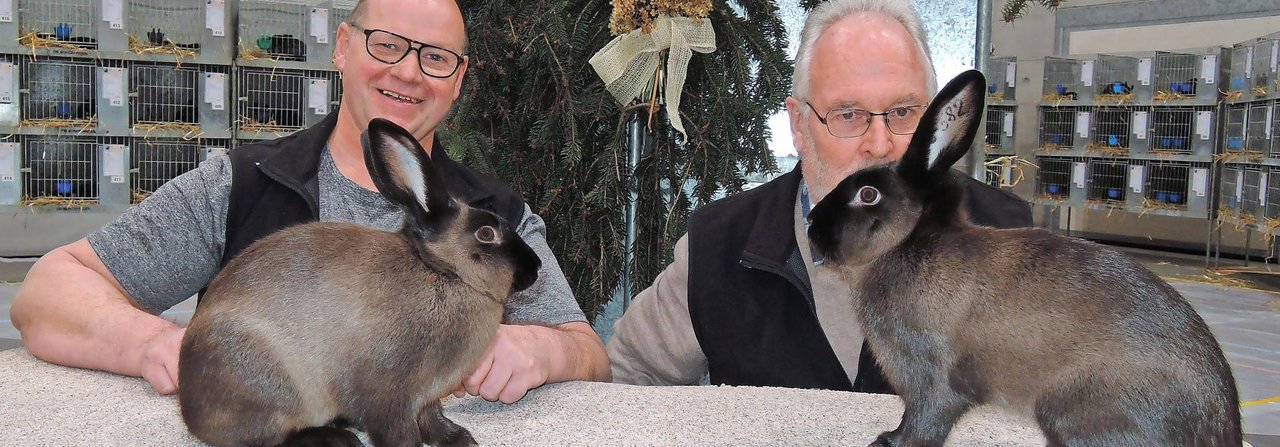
{"x":1203,"y":121}
{"x":113,"y":86}
{"x":1262,"y":189}
{"x":1144,"y":71}
{"x":113,"y":164}
{"x":6,"y":82}
{"x":1140,"y":125}
{"x":318,"y":95}
{"x":215,"y":16}
{"x":1086,"y":73}
{"x":1010,"y":73}
{"x":1239,"y":184}
{"x":6,"y":10}
{"x":1275,"y":54}
{"x":1209,"y":68}
{"x":113,"y":13}
{"x":1082,"y":124}
{"x":215,"y":90}
{"x":1078,"y":174}
{"x":1248,"y":62}
{"x":320,"y":24}
{"x":8,"y":153}
{"x":1135,"y":178}
{"x":1008,"y":124}
{"x":1200,"y":181}
{"x":214,"y":151}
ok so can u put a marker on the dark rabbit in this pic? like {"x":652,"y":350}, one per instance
{"x":59,"y":90}
{"x":1096,"y":348}
{"x":326,"y":325}
{"x":273,"y":100}
{"x":165,"y":94}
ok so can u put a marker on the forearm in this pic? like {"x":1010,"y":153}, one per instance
{"x":69,"y":314}
{"x":574,"y":352}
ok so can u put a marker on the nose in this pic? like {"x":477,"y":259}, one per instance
{"x":407,"y":69}
{"x":877,"y":142}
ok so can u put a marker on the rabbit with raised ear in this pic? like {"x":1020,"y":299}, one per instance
{"x":1096,"y":349}
{"x":326,"y":324}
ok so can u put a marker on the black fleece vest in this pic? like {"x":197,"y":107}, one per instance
{"x":750,"y":300}
{"x":274,"y":186}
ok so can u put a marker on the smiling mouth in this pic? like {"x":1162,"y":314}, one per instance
{"x":399,"y":97}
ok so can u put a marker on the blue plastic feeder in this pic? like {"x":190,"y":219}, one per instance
{"x":1175,"y":197}
{"x":1052,"y":188}
{"x":1179,"y":142}
{"x":1237,"y":83}
{"x":63,"y":108}
{"x":1235,"y":143}
{"x":1113,"y":140}
{"x":1162,"y":196}
{"x":1061,"y":89}
{"x":991,"y":88}
{"x":1056,"y":139}
{"x":1113,"y":193}
{"x":64,"y":187}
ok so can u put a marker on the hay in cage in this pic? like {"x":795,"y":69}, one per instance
{"x":189,"y":130}
{"x":1014,"y":163}
{"x":1110,"y":205}
{"x":1055,"y":98}
{"x":1163,"y":96}
{"x":253,"y":53}
{"x":1162,"y":153}
{"x":1156,"y":205}
{"x":1107,"y":150}
{"x":1050,"y":147}
{"x":1260,"y":91}
{"x":1113,"y":98}
{"x":138,"y":195}
{"x":1233,"y":95}
{"x":997,"y":96}
{"x":84,"y":124}
{"x":61,"y":202}
{"x":168,"y":47}
{"x":1243,"y":154}
{"x":36,"y":40}
{"x":251,"y":125}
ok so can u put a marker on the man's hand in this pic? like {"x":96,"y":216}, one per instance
{"x":158,"y":361}
{"x":511,"y":366}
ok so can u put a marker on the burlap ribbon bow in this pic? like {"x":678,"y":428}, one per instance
{"x":628,"y":63}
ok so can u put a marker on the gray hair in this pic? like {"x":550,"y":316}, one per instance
{"x":833,"y":11}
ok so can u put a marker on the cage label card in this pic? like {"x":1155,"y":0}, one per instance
{"x":1010,"y":73}
{"x":113,"y":161}
{"x":1204,"y":119}
{"x":1248,"y":62}
{"x":1140,"y":125}
{"x":1262,"y":189}
{"x":1275,"y":54}
{"x":6,"y":11}
{"x":1200,"y":181}
{"x":1209,"y":68}
{"x":6,"y":82}
{"x":320,"y":24}
{"x":1082,"y":124}
{"x":8,"y":168}
{"x":113,"y":86}
{"x":214,"y":151}
{"x":318,"y":95}
{"x":1135,"y":177}
{"x":215,"y":13}
{"x":215,"y":90}
{"x":1239,"y":184}
{"x":1008,"y":124}
{"x":1079,"y":171}
{"x":113,"y":13}
{"x":1144,"y":71}
{"x":1086,"y":73}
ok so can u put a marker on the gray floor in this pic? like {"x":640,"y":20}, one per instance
{"x":1246,"y":322}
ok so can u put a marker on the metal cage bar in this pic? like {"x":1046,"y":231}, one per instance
{"x":1054,"y":178}
{"x":1057,"y":128}
{"x":1112,"y":127}
{"x":1108,"y":181}
{"x":271,"y":100}
{"x":1176,"y":73}
{"x":58,"y":89}
{"x":59,"y":167}
{"x":66,"y":21}
{"x":164,"y":22}
{"x":164,"y":94}
{"x":276,"y":29}
{"x":1236,"y":118}
{"x":1258,"y":129}
{"x":1168,"y":182}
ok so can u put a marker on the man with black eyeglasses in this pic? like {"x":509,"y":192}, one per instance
{"x":745,"y":302}
{"x":95,"y":303}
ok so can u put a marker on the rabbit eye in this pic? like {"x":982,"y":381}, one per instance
{"x":867,"y":195}
{"x":487,"y":234}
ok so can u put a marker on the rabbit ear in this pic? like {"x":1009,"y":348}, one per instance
{"x":405,"y":175}
{"x":946,"y":130}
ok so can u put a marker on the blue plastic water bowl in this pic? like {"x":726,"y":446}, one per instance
{"x":64,"y":186}
{"x":1056,"y":139}
{"x":1166,"y":141}
{"x":1188,"y":88}
{"x":1117,"y":88}
{"x":1162,"y":196}
{"x":1052,"y":188}
{"x":1061,"y":89}
{"x":1237,"y":83}
{"x":991,"y":88}
{"x":1175,"y":197}
{"x":1113,"y":140}
{"x":1179,"y":142}
{"x":1235,"y":143}
{"x":1113,"y":193}
{"x":63,"y":108}
{"x":62,"y":31}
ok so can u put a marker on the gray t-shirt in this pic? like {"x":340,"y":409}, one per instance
{"x":168,"y":247}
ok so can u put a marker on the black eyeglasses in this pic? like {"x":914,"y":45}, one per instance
{"x":391,"y":48}
{"x":851,"y":122}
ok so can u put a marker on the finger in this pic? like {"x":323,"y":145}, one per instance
{"x":159,"y":379}
{"x":497,"y":379}
{"x":472,"y":383}
{"x":515,"y":390}
{"x":460,"y":391}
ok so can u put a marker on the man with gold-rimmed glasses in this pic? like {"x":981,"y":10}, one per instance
{"x":745,"y":302}
{"x":95,"y":302}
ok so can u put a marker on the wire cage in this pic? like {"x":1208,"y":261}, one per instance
{"x":58,"y":23}
{"x":1275,"y":129}
{"x":1116,"y":79}
{"x":1182,"y":76}
{"x":1003,"y":171}
{"x":58,"y":92}
{"x":281,"y":101}
{"x":1112,"y":130}
{"x":1168,"y":184}
{"x":1272,"y":212}
{"x":1239,"y":75}
{"x":1058,"y":128}
{"x":1232,"y":188}
{"x":165,"y":95}
{"x":338,"y":13}
{"x":1066,"y":79}
{"x":1237,"y":116}
{"x":275,"y":29}
{"x":156,"y":161}
{"x":1002,"y":76}
{"x":1257,"y":139}
{"x":999,"y":129}
{"x":1266,"y":54}
{"x":1053,"y":179}
{"x":166,"y":26}
{"x":1251,"y":205}
{"x":1107,"y":181}
{"x":1181,"y":130}
{"x":59,"y":169}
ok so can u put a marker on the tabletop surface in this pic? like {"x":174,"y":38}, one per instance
{"x":46,"y":404}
